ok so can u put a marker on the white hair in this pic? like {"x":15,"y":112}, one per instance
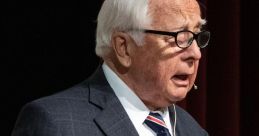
{"x":120,"y":15}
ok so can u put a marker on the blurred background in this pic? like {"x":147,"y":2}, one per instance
{"x":49,"y":46}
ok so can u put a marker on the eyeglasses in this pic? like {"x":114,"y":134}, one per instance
{"x":184,"y":38}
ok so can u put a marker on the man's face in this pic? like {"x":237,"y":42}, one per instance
{"x":161,"y":72}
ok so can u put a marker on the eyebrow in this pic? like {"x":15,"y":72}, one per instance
{"x":201,"y":23}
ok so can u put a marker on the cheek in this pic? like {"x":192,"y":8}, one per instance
{"x":166,"y":70}
{"x":168,"y":67}
{"x":156,"y":67}
{"x":157,"y":73}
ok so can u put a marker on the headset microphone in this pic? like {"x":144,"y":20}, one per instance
{"x":195,"y":87}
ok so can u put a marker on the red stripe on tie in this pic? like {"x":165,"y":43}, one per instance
{"x":156,"y":120}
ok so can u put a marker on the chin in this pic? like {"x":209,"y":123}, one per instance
{"x":178,"y":94}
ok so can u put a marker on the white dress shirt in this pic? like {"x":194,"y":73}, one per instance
{"x":135,"y":108}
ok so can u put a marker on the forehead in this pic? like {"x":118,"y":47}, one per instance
{"x":174,"y":14}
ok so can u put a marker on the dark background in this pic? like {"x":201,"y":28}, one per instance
{"x":249,"y":67}
{"x":49,"y":46}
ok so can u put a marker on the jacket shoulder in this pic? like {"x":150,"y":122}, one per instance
{"x":53,"y":115}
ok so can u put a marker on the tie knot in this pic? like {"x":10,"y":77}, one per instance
{"x":156,"y":118}
{"x":156,"y":123}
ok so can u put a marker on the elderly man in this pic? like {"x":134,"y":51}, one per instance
{"x":151,"y":52}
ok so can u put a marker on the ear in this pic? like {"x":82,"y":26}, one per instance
{"x":121,"y":43}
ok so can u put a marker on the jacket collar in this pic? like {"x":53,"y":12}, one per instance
{"x":113,"y":119}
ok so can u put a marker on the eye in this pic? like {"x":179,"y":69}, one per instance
{"x":170,"y":39}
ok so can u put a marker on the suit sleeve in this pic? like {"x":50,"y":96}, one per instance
{"x":35,"y":120}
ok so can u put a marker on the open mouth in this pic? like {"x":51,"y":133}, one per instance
{"x":181,"y":79}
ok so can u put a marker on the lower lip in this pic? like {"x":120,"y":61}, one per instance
{"x":180,"y":83}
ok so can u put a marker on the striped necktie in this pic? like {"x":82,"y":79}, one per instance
{"x":157,"y":124}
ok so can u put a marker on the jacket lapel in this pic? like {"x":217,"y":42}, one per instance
{"x":113,"y":119}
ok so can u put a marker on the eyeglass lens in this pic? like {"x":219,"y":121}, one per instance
{"x":203,"y":39}
{"x":185,"y":39}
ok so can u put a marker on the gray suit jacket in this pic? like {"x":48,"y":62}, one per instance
{"x":87,"y":109}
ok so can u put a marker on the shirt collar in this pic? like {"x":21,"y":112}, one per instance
{"x":135,"y":108}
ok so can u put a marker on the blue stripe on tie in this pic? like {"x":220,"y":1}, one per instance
{"x":153,"y":122}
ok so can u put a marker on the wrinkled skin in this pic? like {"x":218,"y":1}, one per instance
{"x":152,"y":70}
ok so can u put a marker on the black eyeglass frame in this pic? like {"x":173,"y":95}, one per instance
{"x":174,"y":34}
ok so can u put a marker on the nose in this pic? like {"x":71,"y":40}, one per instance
{"x":193,"y":52}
